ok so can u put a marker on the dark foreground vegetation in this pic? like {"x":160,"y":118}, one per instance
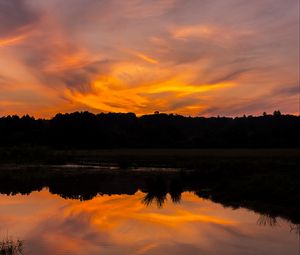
{"x":11,"y":247}
{"x":85,"y":130}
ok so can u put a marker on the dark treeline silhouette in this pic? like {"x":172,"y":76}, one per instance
{"x":117,"y":130}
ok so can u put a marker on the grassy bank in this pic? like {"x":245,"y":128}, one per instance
{"x":183,"y":158}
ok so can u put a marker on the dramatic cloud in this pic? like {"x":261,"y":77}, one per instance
{"x":185,"y":56}
{"x":14,"y":17}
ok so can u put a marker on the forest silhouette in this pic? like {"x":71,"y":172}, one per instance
{"x":86,"y":130}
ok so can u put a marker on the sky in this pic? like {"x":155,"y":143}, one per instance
{"x":191,"y":57}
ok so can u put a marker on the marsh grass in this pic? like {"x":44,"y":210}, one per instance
{"x":9,"y":246}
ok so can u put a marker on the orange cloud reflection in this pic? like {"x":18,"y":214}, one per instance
{"x":121,"y":224}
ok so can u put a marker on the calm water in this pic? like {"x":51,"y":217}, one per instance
{"x":123,"y":224}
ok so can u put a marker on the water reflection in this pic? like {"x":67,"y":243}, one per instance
{"x":76,"y":212}
{"x":86,"y":185}
{"x":122,"y":224}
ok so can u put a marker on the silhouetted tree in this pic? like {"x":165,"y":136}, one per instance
{"x":277,"y":113}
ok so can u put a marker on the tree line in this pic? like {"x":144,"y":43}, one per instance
{"x":86,"y":130}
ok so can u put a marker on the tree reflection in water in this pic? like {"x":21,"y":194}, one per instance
{"x":271,"y":198}
{"x":157,"y":191}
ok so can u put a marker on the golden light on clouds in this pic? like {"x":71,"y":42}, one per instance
{"x":126,"y":90}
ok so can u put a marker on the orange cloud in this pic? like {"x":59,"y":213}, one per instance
{"x":147,"y":59}
{"x":195,"y":31}
{"x":220,"y":35}
{"x":129,"y":88}
{"x":12,"y":40}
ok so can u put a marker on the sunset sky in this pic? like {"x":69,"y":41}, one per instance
{"x":192,"y":57}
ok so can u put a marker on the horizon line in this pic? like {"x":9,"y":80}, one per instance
{"x":275,"y":112}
